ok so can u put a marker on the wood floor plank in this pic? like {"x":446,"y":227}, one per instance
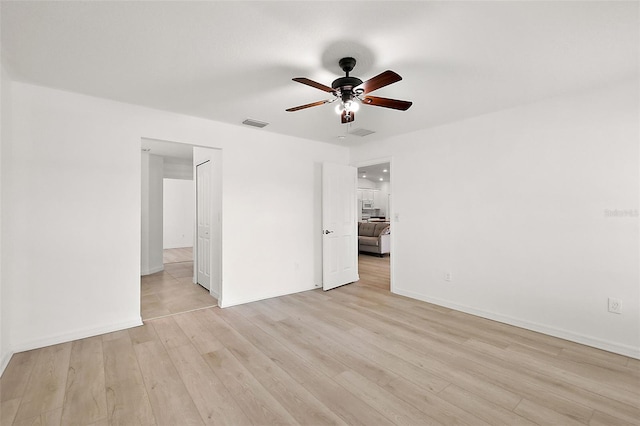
{"x":8,"y":410}
{"x":603,"y":419}
{"x":476,"y":382}
{"x":365,"y":358}
{"x":301,"y":404}
{"x":180,"y":254}
{"x":346,"y":405}
{"x":142,"y":334}
{"x":530,"y":385}
{"x":382,"y":336}
{"x":86,"y":399}
{"x":212,"y":399}
{"x":633,"y":364}
{"x":489,"y":412}
{"x":172,"y":290}
{"x":256,"y":402}
{"x":169,"y":332}
{"x":324,"y":363}
{"x":410,"y":382}
{"x":47,"y":383}
{"x":47,"y":418}
{"x":170,"y":401}
{"x":16,"y":376}
{"x":388,"y":405}
{"x":115,"y":335}
{"x":550,"y":386}
{"x":127,"y":399}
{"x":202,"y":337}
{"x":399,"y":386}
{"x":543,"y":415}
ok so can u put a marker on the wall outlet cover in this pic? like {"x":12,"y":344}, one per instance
{"x":615,"y":305}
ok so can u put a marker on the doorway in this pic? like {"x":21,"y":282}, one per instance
{"x":172,"y":291}
{"x":172,"y":286}
{"x":375,"y":254}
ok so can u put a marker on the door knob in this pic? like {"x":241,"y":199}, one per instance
{"x":326,"y":231}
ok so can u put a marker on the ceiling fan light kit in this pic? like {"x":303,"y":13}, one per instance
{"x":350,"y":92}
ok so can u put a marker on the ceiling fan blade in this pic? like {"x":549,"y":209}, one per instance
{"x":386,"y":103}
{"x":347,"y":118}
{"x":380,"y":80}
{"x":298,"y":108}
{"x":315,"y":84}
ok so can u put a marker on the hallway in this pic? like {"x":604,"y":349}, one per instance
{"x":172,"y":291}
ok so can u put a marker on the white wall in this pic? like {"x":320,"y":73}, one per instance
{"x":513,"y":204}
{"x":75,"y":207}
{"x":177,"y":168}
{"x":152,"y":172}
{"x":366,"y":183}
{"x":5,"y":136}
{"x":178,"y":213}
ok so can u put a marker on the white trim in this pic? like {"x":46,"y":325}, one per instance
{"x":76,"y":334}
{"x":617,"y":348}
{"x":213,"y":294}
{"x":5,"y":361}
{"x":152,"y":270}
{"x":227,"y":304}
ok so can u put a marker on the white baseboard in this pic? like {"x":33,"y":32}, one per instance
{"x":226,"y":303}
{"x":625,"y":350}
{"x":75,"y":335}
{"x":152,"y":270}
{"x":4,"y":361}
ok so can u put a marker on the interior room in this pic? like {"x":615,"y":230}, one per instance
{"x":374,"y":241}
{"x":511,"y":133}
{"x":169,"y":282}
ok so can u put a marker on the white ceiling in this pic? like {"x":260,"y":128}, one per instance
{"x":167,"y":149}
{"x":375,"y":172}
{"x":228,"y":61}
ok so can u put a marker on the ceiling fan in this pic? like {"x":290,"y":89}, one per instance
{"x":351,"y":91}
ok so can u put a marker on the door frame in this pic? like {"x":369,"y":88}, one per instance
{"x":392,"y":217}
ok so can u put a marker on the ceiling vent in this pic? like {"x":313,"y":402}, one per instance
{"x":254,"y":123}
{"x":361,"y":132}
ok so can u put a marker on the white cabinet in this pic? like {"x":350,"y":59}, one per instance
{"x":367,"y":194}
{"x":381,"y":202}
{"x":377,"y":198}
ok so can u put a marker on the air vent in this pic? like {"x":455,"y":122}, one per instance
{"x":361,"y":132}
{"x":254,"y":123}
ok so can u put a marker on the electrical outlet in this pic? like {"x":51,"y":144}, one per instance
{"x":448,"y":276}
{"x":615,"y":305}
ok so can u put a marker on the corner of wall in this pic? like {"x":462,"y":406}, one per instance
{"x":5,"y":125}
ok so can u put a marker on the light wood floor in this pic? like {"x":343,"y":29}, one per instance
{"x":374,"y":271}
{"x":175,"y":255}
{"x":172,"y":291}
{"x":355,"y":355}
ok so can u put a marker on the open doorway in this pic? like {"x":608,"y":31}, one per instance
{"x":374,"y":225}
{"x":169,"y":257}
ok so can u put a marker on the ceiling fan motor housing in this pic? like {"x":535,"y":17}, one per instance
{"x":347,"y":64}
{"x":344,"y":85}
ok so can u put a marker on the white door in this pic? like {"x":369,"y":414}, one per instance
{"x":340,"y":229}
{"x":203,"y":206}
